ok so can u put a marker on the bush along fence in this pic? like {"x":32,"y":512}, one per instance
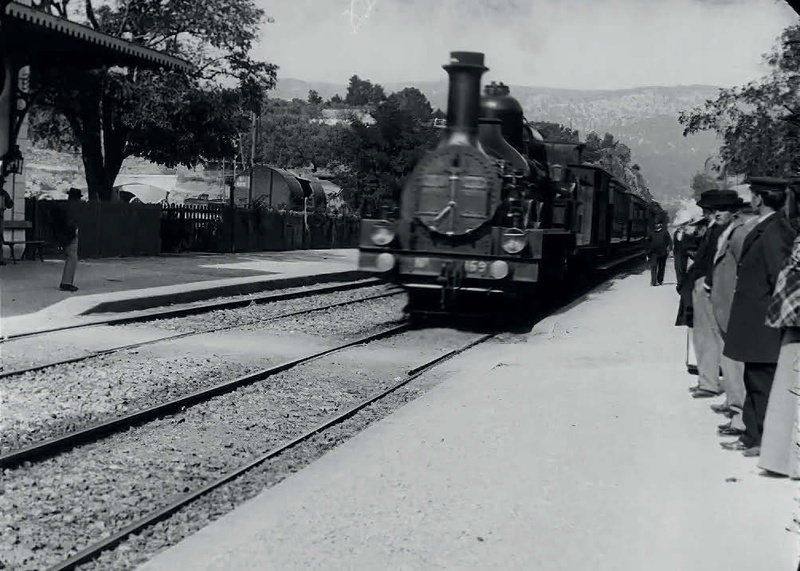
{"x":121,"y":229}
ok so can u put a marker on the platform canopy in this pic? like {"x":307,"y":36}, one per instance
{"x":48,"y":39}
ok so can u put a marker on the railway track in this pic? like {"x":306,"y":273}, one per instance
{"x":193,"y":309}
{"x":182,"y":335}
{"x":92,"y":551}
{"x":100,"y":430}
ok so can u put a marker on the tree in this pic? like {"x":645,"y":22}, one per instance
{"x":555,"y":131}
{"x":757,"y":122}
{"x":615,"y":157}
{"x":292,"y":135}
{"x":361,"y":92}
{"x":701,"y":182}
{"x":165,"y":116}
{"x":380,"y":156}
{"x":414,"y":102}
{"x":314,"y":98}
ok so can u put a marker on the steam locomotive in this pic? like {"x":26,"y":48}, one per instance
{"x":495,"y":210}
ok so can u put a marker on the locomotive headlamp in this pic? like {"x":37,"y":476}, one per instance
{"x":498,"y":269}
{"x":385,"y":262}
{"x":382,"y":233}
{"x":514,"y":241}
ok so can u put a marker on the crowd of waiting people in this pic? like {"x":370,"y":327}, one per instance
{"x":738,"y":276}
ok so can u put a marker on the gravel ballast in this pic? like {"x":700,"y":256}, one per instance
{"x":47,"y":403}
{"x":46,"y":348}
{"x":84,"y":495}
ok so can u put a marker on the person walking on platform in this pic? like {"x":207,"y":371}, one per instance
{"x":721,"y":283}
{"x":779,"y":443}
{"x":659,"y":245}
{"x":748,"y":339}
{"x":707,"y":345}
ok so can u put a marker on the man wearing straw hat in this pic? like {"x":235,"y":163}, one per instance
{"x":748,"y":339}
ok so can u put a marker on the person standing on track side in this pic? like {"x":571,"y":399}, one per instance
{"x":706,"y":345}
{"x":66,"y":235}
{"x":721,"y":283}
{"x":749,"y":339}
{"x":6,"y":203}
{"x":659,"y":245}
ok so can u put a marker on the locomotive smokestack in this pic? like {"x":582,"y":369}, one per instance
{"x":464,"y":95}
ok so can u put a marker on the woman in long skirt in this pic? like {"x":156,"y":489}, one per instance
{"x":779,"y":444}
{"x":780,"y":453}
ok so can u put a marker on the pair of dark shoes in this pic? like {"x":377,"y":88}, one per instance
{"x":728,"y":430}
{"x":67,"y":287}
{"x":722,"y":409}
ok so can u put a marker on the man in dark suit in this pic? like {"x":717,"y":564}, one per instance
{"x":658,"y":247}
{"x":748,"y":339}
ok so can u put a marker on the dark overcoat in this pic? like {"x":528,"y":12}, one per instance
{"x":685,"y":247}
{"x":659,"y":243}
{"x":764,"y":251}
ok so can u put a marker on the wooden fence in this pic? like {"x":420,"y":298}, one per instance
{"x":121,"y":229}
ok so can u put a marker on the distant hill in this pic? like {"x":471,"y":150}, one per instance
{"x":643,"y":118}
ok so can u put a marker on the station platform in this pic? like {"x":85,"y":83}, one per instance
{"x":577,"y":447}
{"x":30,"y":297}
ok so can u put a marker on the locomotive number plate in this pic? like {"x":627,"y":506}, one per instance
{"x":476,"y":267}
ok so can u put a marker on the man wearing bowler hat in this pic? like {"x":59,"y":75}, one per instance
{"x":705,"y":335}
{"x":658,"y":247}
{"x":721,"y":284}
{"x":748,"y":339}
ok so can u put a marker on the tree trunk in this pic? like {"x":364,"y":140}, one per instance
{"x":101,"y":148}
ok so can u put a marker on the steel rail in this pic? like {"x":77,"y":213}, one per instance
{"x":58,"y":444}
{"x":150,"y":315}
{"x":155,"y":516}
{"x":111,"y":350}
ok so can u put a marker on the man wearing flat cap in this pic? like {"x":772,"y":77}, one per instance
{"x":705,"y":335}
{"x":748,"y":339}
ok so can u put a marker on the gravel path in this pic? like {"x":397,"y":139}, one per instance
{"x":84,"y":495}
{"x":42,"y":404}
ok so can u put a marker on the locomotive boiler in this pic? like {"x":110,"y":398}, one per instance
{"x":496,"y":211}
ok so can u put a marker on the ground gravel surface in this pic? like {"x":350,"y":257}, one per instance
{"x":41,"y":405}
{"x":47,"y":403}
{"x":254,"y":313}
{"x":50,"y":347}
{"x":50,"y":508}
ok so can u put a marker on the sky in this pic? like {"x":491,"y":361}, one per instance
{"x":576,"y":44}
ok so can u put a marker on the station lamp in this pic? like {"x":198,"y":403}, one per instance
{"x":12,"y":162}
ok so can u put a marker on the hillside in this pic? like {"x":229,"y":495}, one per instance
{"x":644,"y":118}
